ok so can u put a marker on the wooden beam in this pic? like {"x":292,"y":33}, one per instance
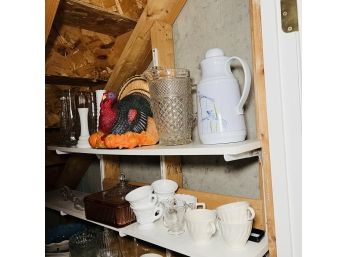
{"x":138,"y":46}
{"x":171,"y":168}
{"x":162,"y":39}
{"x":91,"y":17}
{"x":120,"y":43}
{"x":73,"y":81}
{"x":261,"y":123}
{"x":111,"y":171}
{"x":51,"y":7}
{"x":131,"y":8}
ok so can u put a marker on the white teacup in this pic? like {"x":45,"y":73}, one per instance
{"x":164,"y":188}
{"x":235,"y":235}
{"x":190,"y":200}
{"x":236,"y":212}
{"x":141,"y":196}
{"x":201,"y":224}
{"x":147,"y":214}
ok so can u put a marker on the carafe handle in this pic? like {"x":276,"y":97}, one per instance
{"x":247,"y":81}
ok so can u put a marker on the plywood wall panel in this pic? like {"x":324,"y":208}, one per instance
{"x":78,"y":52}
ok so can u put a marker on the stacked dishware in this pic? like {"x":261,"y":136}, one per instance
{"x":149,"y":203}
{"x":235,"y":223}
{"x":144,"y":205}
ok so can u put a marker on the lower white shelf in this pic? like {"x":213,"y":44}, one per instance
{"x":158,"y":234}
{"x":183,"y":243}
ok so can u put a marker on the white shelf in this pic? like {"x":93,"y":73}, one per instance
{"x":158,"y":234}
{"x":185,"y":245}
{"x":238,"y":150}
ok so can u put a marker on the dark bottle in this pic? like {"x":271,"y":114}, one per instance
{"x":92,"y":112}
{"x":68,"y":118}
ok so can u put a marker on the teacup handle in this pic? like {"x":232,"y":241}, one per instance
{"x":200,"y":206}
{"x":211,"y":228}
{"x":153,"y":198}
{"x":158,"y":215}
{"x":251,"y":212}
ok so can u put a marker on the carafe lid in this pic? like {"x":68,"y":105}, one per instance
{"x":214,"y":52}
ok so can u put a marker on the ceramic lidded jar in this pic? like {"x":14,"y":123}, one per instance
{"x":219,"y":102}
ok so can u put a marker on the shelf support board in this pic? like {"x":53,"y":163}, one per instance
{"x":60,"y":152}
{"x":233,"y":157}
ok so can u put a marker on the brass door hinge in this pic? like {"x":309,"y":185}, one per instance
{"x":289,"y":15}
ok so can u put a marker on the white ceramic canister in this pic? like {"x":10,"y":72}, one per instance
{"x":219,"y":103}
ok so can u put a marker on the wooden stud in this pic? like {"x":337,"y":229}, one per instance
{"x":261,"y":123}
{"x":118,"y":7}
{"x":138,"y":47}
{"x":120,"y":43}
{"x":162,"y":39}
{"x":111,"y":171}
{"x":171,"y":169}
{"x":51,"y":7}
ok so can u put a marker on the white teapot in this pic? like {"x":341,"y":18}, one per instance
{"x":219,"y":104}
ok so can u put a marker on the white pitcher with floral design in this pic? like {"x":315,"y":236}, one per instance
{"x":219,"y":102}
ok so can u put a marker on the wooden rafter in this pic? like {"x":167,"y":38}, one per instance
{"x":138,"y":47}
{"x":162,"y":40}
{"x":51,"y":7}
{"x":91,"y":17}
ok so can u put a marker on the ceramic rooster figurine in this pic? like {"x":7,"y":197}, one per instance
{"x":129,"y":114}
{"x":133,"y":111}
{"x":124,"y":124}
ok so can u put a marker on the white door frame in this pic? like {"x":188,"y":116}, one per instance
{"x":282,"y":66}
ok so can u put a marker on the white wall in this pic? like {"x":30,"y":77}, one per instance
{"x":282,"y":58}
